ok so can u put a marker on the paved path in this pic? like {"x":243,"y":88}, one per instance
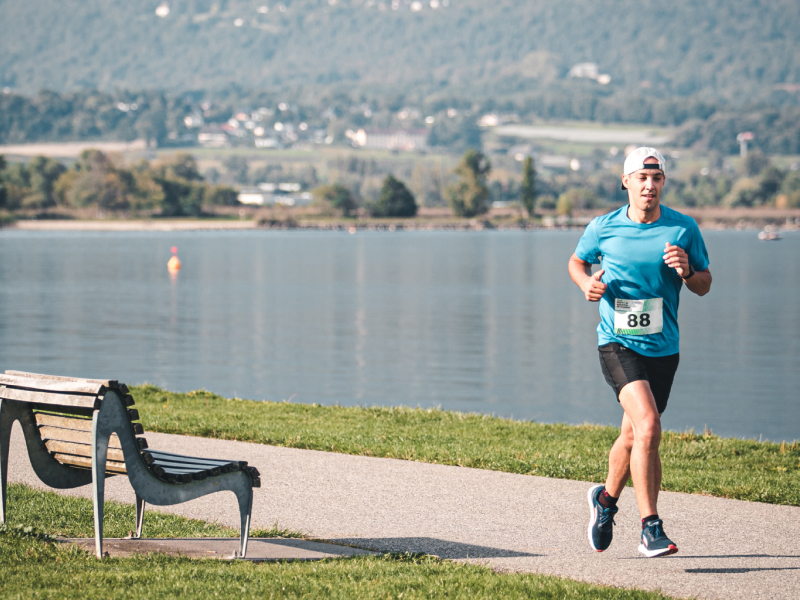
{"x":729,"y":549}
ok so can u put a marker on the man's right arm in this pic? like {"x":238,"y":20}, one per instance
{"x":581,"y":273}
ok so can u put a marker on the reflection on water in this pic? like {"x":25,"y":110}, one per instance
{"x":483,"y":321}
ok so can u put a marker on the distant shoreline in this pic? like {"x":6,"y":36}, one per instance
{"x":713,"y":218}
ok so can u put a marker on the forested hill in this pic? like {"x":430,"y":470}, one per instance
{"x":731,"y":50}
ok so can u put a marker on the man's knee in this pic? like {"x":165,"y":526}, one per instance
{"x":626,"y":438}
{"x":640,"y":408}
{"x":648,"y":431}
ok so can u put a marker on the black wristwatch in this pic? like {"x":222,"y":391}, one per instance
{"x":691,"y":272}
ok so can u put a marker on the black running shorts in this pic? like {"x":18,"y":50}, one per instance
{"x":622,"y":365}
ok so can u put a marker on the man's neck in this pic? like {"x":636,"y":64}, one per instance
{"x":642,"y":216}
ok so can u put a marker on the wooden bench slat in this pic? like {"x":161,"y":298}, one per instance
{"x":81,"y":437}
{"x":112,"y":466}
{"x":52,"y":420}
{"x":159,"y":454}
{"x":75,"y":411}
{"x":61,"y":447}
{"x":105,"y":382}
{"x":223,"y":468}
{"x":49,"y":398}
{"x":89,"y":401}
{"x":181,"y":470}
{"x":109,"y":383}
{"x":80,"y":386}
{"x":178,"y":477}
{"x":172,"y":475}
{"x":210,"y":471}
{"x":200,"y":466}
{"x":72,"y":435}
{"x":29,"y":375}
{"x":195,"y":475}
{"x":43,"y":418}
{"x":255,"y":475}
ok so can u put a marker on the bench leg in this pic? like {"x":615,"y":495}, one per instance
{"x":99,"y":457}
{"x":139,"y":516}
{"x":245,"y":498}
{"x":6,"y":421}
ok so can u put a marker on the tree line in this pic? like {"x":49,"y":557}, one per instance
{"x":171,"y":187}
{"x":174,"y":187}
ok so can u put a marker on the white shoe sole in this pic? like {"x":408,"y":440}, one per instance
{"x":672,"y":549}
{"x":593,"y":518}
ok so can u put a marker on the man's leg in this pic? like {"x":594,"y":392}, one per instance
{"x":619,"y":459}
{"x":602,"y":507}
{"x":644,"y":422}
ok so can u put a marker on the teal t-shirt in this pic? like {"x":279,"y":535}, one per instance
{"x":632,"y":255}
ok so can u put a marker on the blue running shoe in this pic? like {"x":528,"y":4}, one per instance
{"x":654,"y":541}
{"x":601,"y":522}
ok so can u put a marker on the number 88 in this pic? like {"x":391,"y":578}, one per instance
{"x":641,"y":321}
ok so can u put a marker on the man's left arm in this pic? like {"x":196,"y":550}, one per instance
{"x":676,"y":258}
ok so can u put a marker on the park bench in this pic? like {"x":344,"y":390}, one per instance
{"x":81,"y":431}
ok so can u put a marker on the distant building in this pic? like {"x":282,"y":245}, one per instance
{"x":267,"y":142}
{"x":589,"y":70}
{"x":489,"y":120}
{"x":269,"y":194}
{"x":194,"y":120}
{"x":285,"y":188}
{"x":212,"y":137}
{"x":494,"y":119}
{"x":252,"y":196}
{"x":390,"y":139}
{"x":584,"y":70}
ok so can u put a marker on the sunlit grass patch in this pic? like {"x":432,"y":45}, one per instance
{"x":695,"y":463}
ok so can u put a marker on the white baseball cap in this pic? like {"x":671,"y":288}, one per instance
{"x":635,"y":161}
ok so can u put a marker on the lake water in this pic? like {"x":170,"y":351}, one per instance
{"x":471,"y":321}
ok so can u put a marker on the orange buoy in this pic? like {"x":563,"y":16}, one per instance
{"x":174,"y":263}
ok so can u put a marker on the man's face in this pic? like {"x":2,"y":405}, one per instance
{"x":644,"y":187}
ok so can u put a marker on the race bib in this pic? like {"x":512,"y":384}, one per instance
{"x":638,"y":317}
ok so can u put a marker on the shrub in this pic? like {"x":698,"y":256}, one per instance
{"x":337,"y":196}
{"x":469,"y":196}
{"x":395,"y":200}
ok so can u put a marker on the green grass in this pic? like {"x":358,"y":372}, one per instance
{"x":32,"y":565}
{"x":72,"y":517}
{"x":67,"y":516}
{"x":694,"y":463}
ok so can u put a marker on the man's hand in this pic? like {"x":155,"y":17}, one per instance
{"x":581,"y":273}
{"x":676,"y":258}
{"x":593,"y":288}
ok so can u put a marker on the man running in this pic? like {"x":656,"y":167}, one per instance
{"x":648,"y":253}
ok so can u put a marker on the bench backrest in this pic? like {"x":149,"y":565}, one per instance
{"x":63,"y":407}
